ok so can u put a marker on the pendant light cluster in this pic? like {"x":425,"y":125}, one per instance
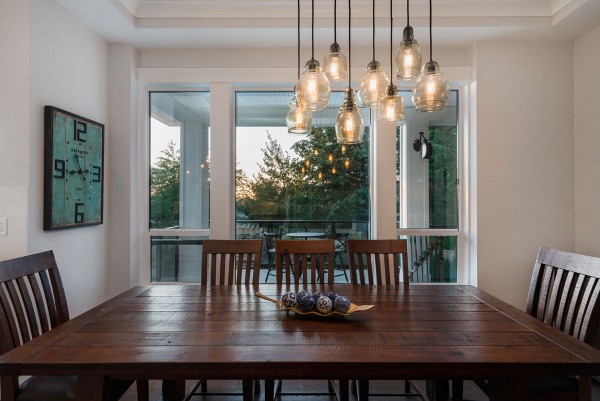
{"x":312,"y":92}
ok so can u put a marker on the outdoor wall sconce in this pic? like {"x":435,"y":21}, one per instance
{"x":423,"y":145}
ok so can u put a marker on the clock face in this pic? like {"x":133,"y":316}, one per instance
{"x":74,"y":168}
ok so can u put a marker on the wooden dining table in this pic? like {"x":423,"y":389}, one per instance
{"x":179,"y":332}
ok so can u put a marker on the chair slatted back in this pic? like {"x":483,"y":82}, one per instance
{"x":229,"y":262}
{"x":564,"y":293}
{"x":377,"y":262}
{"x":32,"y":299}
{"x":307,"y":259}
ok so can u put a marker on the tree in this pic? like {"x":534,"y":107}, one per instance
{"x":277,"y":183}
{"x":443,"y":196}
{"x":164,"y":193}
{"x":326,"y":181}
{"x":336,"y":179}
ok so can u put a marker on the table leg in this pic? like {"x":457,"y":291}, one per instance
{"x":90,"y":388}
{"x":173,"y":390}
{"x":438,"y":390}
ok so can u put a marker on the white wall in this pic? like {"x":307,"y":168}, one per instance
{"x":69,"y":69}
{"x":525,"y":160}
{"x":14,"y":118}
{"x":587,"y":144}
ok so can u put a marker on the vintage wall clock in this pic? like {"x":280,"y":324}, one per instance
{"x":73,"y":170}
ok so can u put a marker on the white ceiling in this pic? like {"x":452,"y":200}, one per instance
{"x":273,"y":23}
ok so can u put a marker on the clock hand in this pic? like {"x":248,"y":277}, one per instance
{"x":81,"y":171}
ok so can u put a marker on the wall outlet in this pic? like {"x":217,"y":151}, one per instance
{"x":3,"y":226}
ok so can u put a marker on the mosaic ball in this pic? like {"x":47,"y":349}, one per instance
{"x":307,"y":304}
{"x":333,"y":296}
{"x":324,"y":304}
{"x":317,"y":295}
{"x":289,"y":299}
{"x":342,"y":304}
{"x":302,"y":294}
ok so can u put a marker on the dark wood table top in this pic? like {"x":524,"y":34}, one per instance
{"x":191,"y":331}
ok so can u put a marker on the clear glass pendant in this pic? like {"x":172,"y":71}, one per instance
{"x":349,"y":125}
{"x":408,"y":57}
{"x":391,"y":106}
{"x":312,"y":90}
{"x":298,"y":119}
{"x":372,"y":85}
{"x":431,"y":91}
{"x":335,"y":64}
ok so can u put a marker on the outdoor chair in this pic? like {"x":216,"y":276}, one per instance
{"x":563,"y":293}
{"x":33,"y":302}
{"x":229,"y":262}
{"x":341,"y":240}
{"x":270,"y":238}
{"x":377,"y":262}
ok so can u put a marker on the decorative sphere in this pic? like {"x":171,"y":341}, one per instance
{"x":302,"y":294}
{"x":317,"y":295}
{"x":341,"y":304}
{"x":289,"y":299}
{"x":333,"y":296}
{"x":324,"y":304}
{"x":307,"y":304}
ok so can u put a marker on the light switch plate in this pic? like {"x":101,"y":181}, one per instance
{"x":3,"y":226}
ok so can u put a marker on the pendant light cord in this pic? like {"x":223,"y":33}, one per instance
{"x":391,"y":42}
{"x":312,"y":31}
{"x":430,"y":30}
{"x":373,"y":30}
{"x":349,"y":44}
{"x":334,"y":21}
{"x":407,"y":12}
{"x":298,"y":39}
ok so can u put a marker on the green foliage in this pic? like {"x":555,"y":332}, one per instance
{"x":443,"y":196}
{"x":326,"y":181}
{"x":164,"y":184}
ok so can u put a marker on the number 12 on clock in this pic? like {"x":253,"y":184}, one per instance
{"x":73,"y":170}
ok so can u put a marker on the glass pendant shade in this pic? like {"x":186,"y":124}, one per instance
{"x":431,"y":91}
{"x":312,"y":90}
{"x":349,"y":125}
{"x":335,"y":64}
{"x":298,"y":119}
{"x":391,"y":106}
{"x":408,"y":57}
{"x":372,"y":85}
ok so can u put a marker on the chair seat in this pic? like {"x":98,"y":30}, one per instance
{"x":48,"y":388}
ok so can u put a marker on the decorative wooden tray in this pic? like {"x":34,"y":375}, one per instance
{"x":353,"y":308}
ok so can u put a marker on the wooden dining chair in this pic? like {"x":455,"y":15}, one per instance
{"x":229,"y":262}
{"x":304,"y":262}
{"x":377,"y":262}
{"x":564,"y":293}
{"x":33,"y":302}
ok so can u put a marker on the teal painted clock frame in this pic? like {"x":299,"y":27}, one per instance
{"x":73,"y":170}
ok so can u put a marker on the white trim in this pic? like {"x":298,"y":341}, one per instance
{"x":250,"y":75}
